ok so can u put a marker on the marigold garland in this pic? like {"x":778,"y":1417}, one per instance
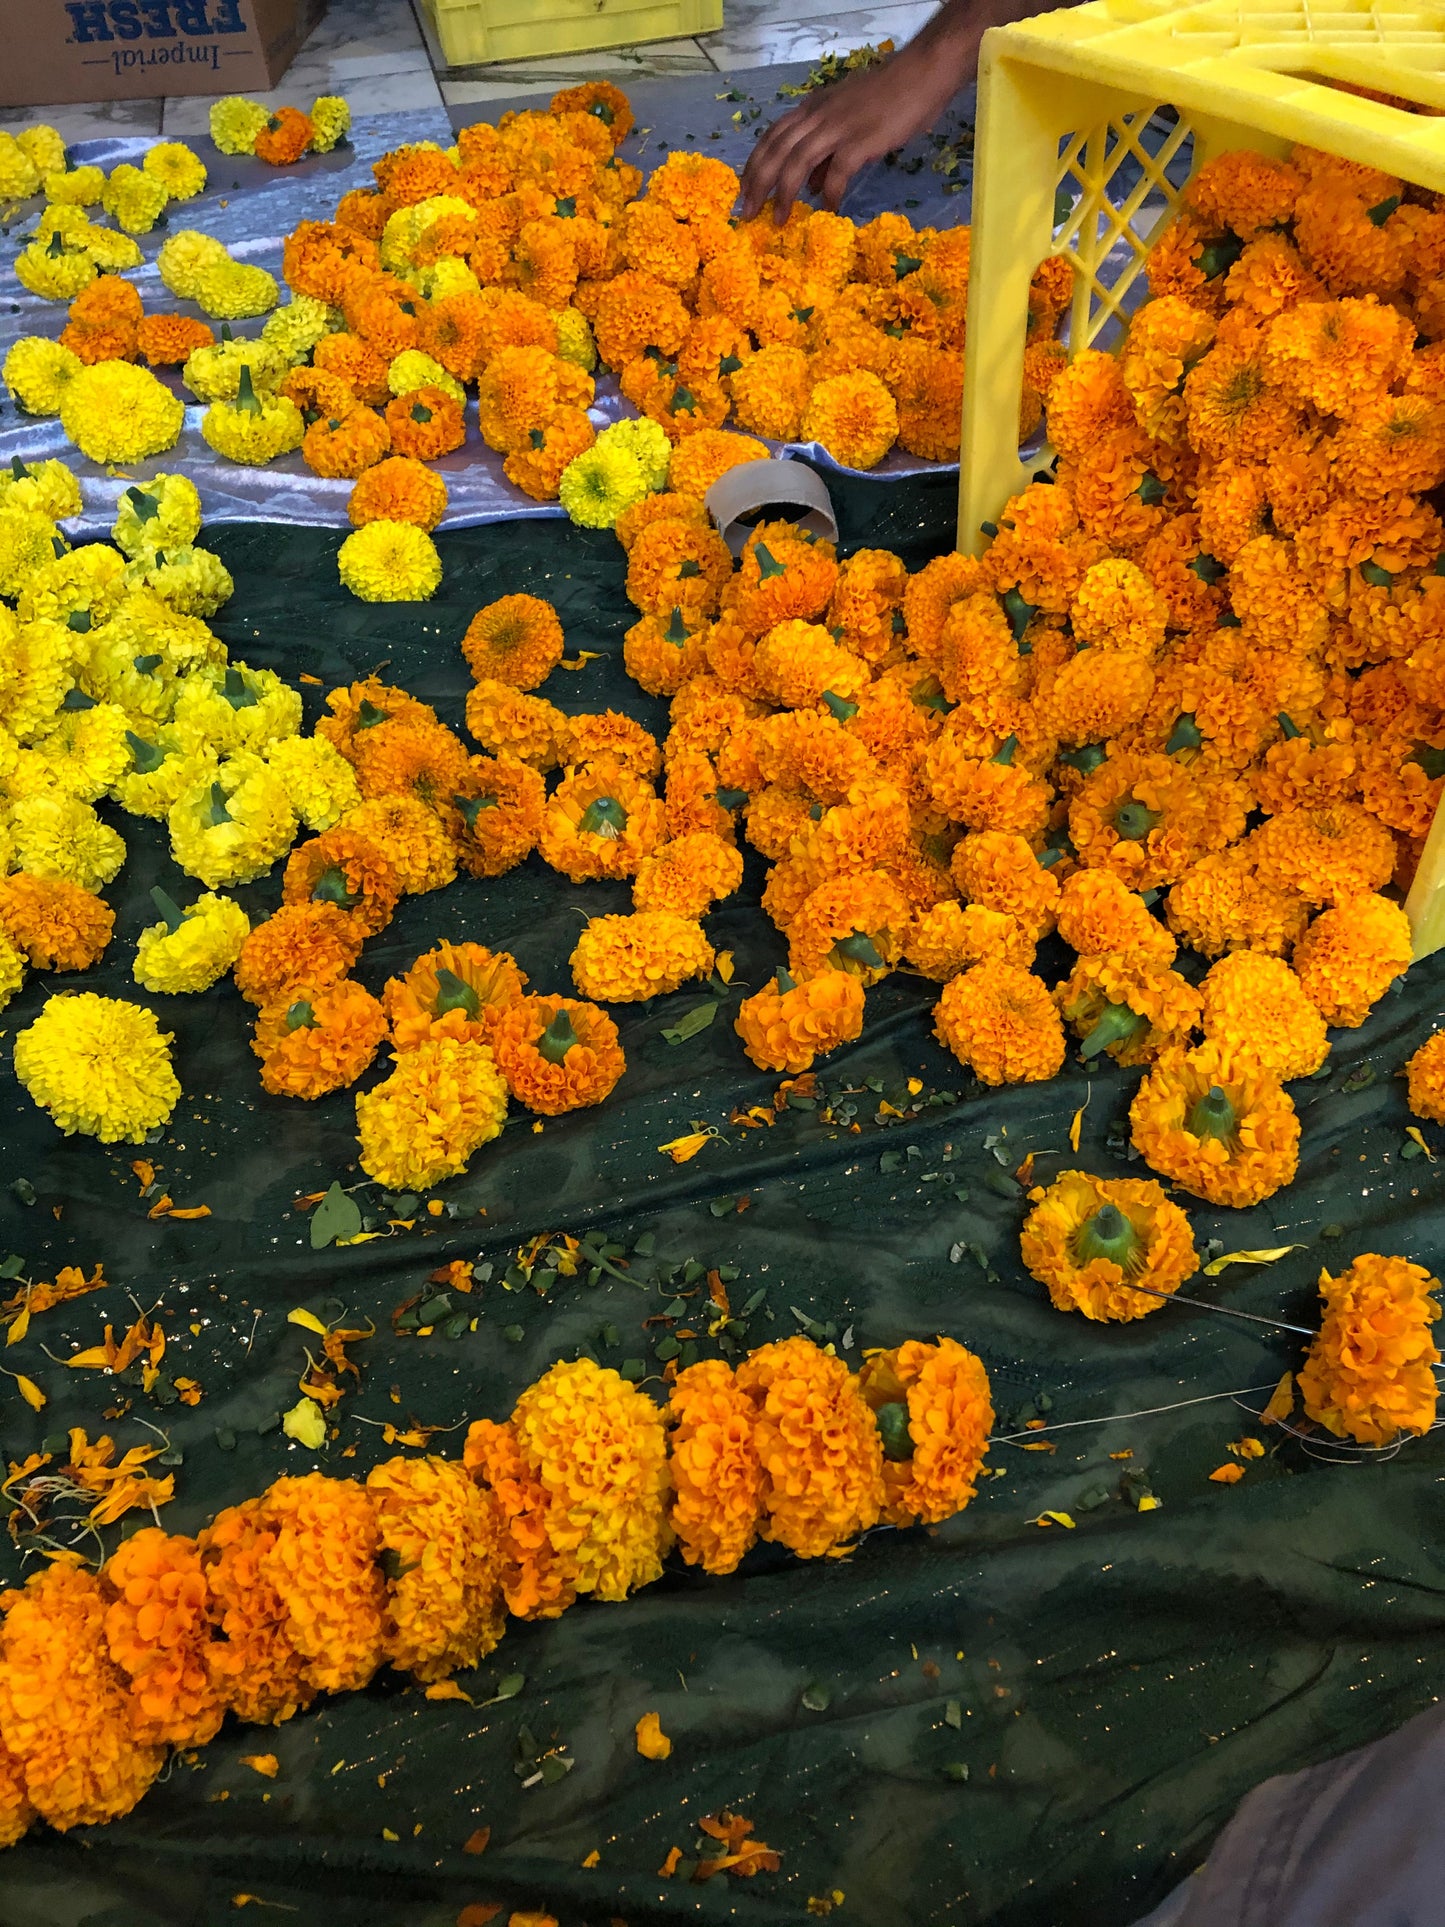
{"x":1368,"y":1375}
{"x":717,"y":1475}
{"x":817,"y":1445}
{"x":933,"y":1411}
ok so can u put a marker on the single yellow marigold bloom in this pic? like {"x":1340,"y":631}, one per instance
{"x":38,"y":373}
{"x":818,"y":1446}
{"x":625,"y":959}
{"x":134,"y":198}
{"x":688,"y":875}
{"x":163,"y":513}
{"x":318,"y":1039}
{"x":516,"y":640}
{"x":158,"y":1632}
{"x":717,"y":1476}
{"x":20,"y":172}
{"x":1426,"y":1074}
{"x":1090,"y":1239}
{"x":12,"y":967}
{"x":556,"y":1055}
{"x":786,"y":1025}
{"x":232,"y":823}
{"x":1131,"y":1005}
{"x":1350,"y":955}
{"x":1218,"y":1124}
{"x":1255,"y":1005}
{"x":65,"y":1714}
{"x":444,"y":1612}
{"x":254,"y":429}
{"x":390,"y":562}
{"x":1001,"y":1022}
{"x":932,"y":1406}
{"x":117,"y":413}
{"x":100,"y":1066}
{"x":322,"y":784}
{"x":425,"y":1122}
{"x":235,"y":123}
{"x":48,"y":486}
{"x":235,"y":290}
{"x":190,"y":949}
{"x":234,"y":707}
{"x":600,"y":821}
{"x":54,"y":272}
{"x":1369,"y":1374}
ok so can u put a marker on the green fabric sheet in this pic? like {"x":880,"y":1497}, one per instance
{"x":995,"y":1722}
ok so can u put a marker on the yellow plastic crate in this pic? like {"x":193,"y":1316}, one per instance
{"x":472,"y":32}
{"x":1068,"y":99}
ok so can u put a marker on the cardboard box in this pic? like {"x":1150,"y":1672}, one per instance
{"x":137,"y":49}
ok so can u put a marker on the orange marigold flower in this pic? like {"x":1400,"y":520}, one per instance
{"x":1177,"y":261}
{"x":1255,"y":1005}
{"x":544,"y":261}
{"x":284,"y":138}
{"x":688,"y":875}
{"x":1098,"y":695}
{"x":1300,"y":774}
{"x":782,"y":573}
{"x":717,"y":1477}
{"x":444,"y":1612}
{"x":854,"y":922}
{"x":656,"y":243}
{"x":1245,"y":191}
{"x":798,"y":663}
{"x":342,"y":446}
{"x":323,"y":260}
{"x":1091,"y":1239}
{"x":609,"y":736}
{"x":1216,"y":1123}
{"x":537,"y":1580}
{"x":675,"y":564}
{"x":700,"y":459}
{"x":1350,"y":955}
{"x":625,"y":959}
{"x":1426,"y":1074}
{"x":1342,"y":241}
{"x":1269,"y":277}
{"x":601,"y":821}
{"x":1001,"y":871}
{"x":159,"y":1633}
{"x":1233,"y":413}
{"x":16,"y":1813}
{"x":1149,"y":820}
{"x":536,"y":466}
{"x":1118,"y":607}
{"x":64,"y":1707}
{"x":854,"y":417}
{"x":318,"y":1038}
{"x":495,"y":814}
{"x":1323,"y":855}
{"x":932,"y":1406}
{"x":317,"y":393}
{"x":818,"y":1446}
{"x":350,"y":871}
{"x":1001,"y":1022}
{"x":786,"y":1025}
{"x":355,"y":362}
{"x":662,"y":653}
{"x":1086,"y":401}
{"x":1370,"y":1373}
{"x":1392,"y":442}
{"x":58,"y":925}
{"x":426,"y":423}
{"x":1221,"y":904}
{"x":951,"y":937}
{"x":600,"y":98}
{"x":987,"y":793}
{"x":314,"y":943}
{"x":556,"y":1055}
{"x":512,"y":319}
{"x":521,"y":389}
{"x":362,"y":706}
{"x":405,"y":755}
{"x":1098,"y":914}
{"x":771,"y":391}
{"x":867,"y":595}
{"x":325,"y":1567}
{"x":166,"y":340}
{"x":808,"y":751}
{"x":929,"y":387}
{"x":414,"y":838}
{"x":515,"y":640}
{"x":508,"y":723}
{"x":692,"y":185}
{"x":1131,"y":1005}
{"x":636,"y":312}
{"x":398,"y":489}
{"x":1337,"y":354}
{"x":266,"y":1677}
{"x":452,"y":991}
{"x":1166,"y":338}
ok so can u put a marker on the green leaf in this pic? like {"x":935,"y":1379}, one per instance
{"x":1065,"y":200}
{"x":906,"y":264}
{"x":1377,"y":577}
{"x":890,"y":1161}
{"x":1218,"y":257}
{"x":144,"y":507}
{"x":666,"y":1349}
{"x":76,"y":699}
{"x":1151,"y":491}
{"x":1208,"y":568}
{"x":1019,"y":612}
{"x":632,"y":1369}
{"x":508,"y":1687}
{"x":817,"y":1699}
{"x":471,"y":808}
{"x":691,"y":1022}
{"x":955,"y":1770}
{"x":216,"y":809}
{"x":337,"y":1216}
{"x":1005,"y":752}
{"x":513,"y":1334}
{"x":555,"y":1767}
{"x":24,"y":1190}
{"x":1184,"y":735}
{"x":730,"y":799}
{"x":953,"y":1714}
{"x":1382,"y":210}
{"x":13,"y":1266}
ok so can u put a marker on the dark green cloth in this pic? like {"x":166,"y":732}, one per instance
{"x":1111,"y":1691}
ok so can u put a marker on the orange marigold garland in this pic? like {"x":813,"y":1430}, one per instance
{"x":439,"y":1531}
{"x":934,"y":1412}
{"x":1089,"y":1240}
{"x":817,"y":1444}
{"x":1369,"y":1374}
{"x":717,"y":1476}
{"x":324,"y":1567}
{"x":159,"y":1632}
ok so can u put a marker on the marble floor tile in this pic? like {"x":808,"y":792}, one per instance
{"x":758,"y":33}
{"x":89,"y":120}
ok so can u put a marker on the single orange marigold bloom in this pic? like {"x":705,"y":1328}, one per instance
{"x":515,"y":640}
{"x":1001,"y":1022}
{"x":350,"y":871}
{"x":1089,"y":1240}
{"x":318,"y":1039}
{"x":1218,"y":1124}
{"x":556,"y":1054}
{"x":1370,"y":1372}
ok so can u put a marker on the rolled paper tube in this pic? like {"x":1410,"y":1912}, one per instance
{"x":735,"y":498}
{"x":1425,"y":905}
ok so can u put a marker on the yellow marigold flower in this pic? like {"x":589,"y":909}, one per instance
{"x":235,"y":290}
{"x":158,"y":775}
{"x":302,"y":943}
{"x":99,"y":1066}
{"x":255,"y":428}
{"x":786,"y":1025}
{"x":59,"y":836}
{"x":214,"y":372}
{"x":574,"y":339}
{"x":600,"y":821}
{"x":1350,"y":955}
{"x":319,"y":1039}
{"x":625,"y":959}
{"x":20,"y":172}
{"x":87,"y":751}
{"x":516,"y":640}
{"x":453,"y":991}
{"x":64,"y":1710}
{"x":390,"y":562}
{"x":508,"y":723}
{"x":27,"y":538}
{"x":235,"y":123}
{"x":1001,"y":1022}
{"x":56,"y":924}
{"x":324,"y":1567}
{"x":412,"y":369}
{"x":191,"y":581}
{"x":717,"y":1476}
{"x":158,"y":1632}
{"x":265,"y":1676}
{"x":688,"y":875}
{"x":1255,"y":1006}
{"x":817,"y":1444}
{"x":932,"y":1406}
{"x":444,"y":1100}
{"x":556,"y":1055}
{"x":854,"y":417}
{"x":1426,"y":1074}
{"x":1001,"y":871}
{"x":234,"y":707}
{"x":110,"y":252}
{"x":74,"y":186}
{"x":1323,"y":855}
{"x":134,"y":198}
{"x":116,"y":413}
{"x":1132,"y":1005}
{"x":1217,"y":1123}
{"x":444,"y":1612}
{"x":48,"y":486}
{"x":318,"y":778}
{"x":1369,"y":1373}
{"x":1090,"y":1239}
{"x":299,"y":327}
{"x":951,"y":937}
{"x":89,"y":579}
{"x":38,"y":372}
{"x":184,"y":257}
{"x":1098,"y":914}
{"x":190,"y":949}
{"x":54,"y":271}
{"x":232,"y":823}
{"x":1118,"y":607}
{"x":599,"y":484}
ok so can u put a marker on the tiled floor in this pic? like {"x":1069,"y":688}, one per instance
{"x":382,"y":55}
